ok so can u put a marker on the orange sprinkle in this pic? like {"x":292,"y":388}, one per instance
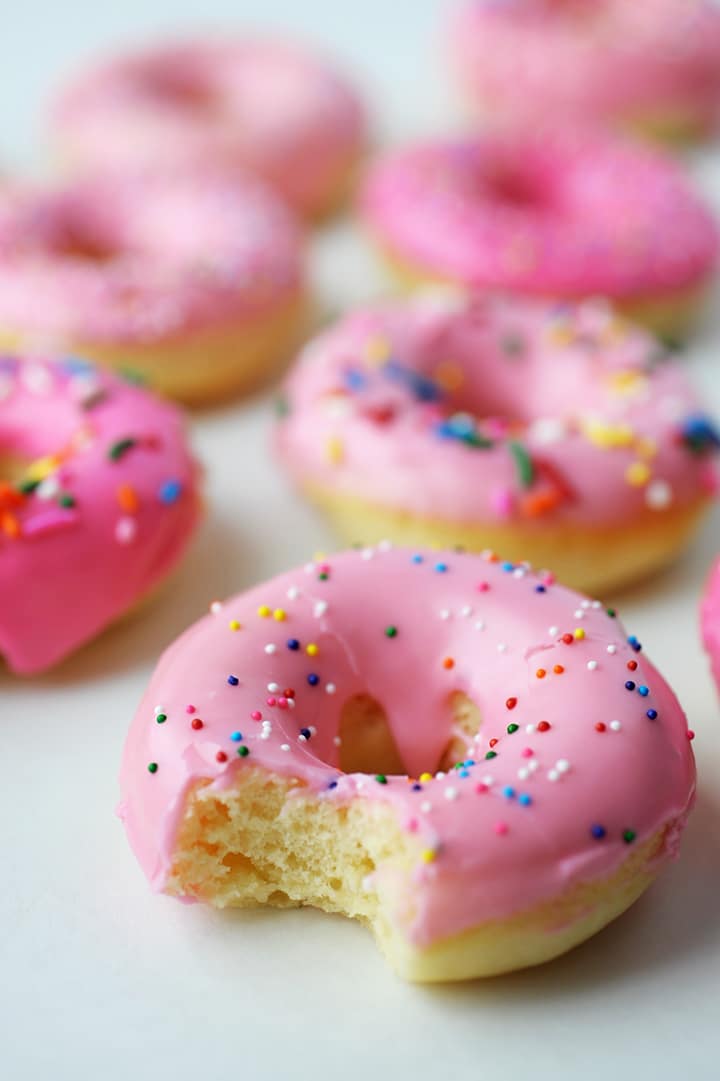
{"x":558,"y":669}
{"x":537,"y":503}
{"x":448,"y":663}
{"x":541,"y":673}
{"x":9,"y":524}
{"x":127,"y":497}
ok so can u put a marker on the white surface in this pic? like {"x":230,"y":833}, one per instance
{"x":99,"y":978}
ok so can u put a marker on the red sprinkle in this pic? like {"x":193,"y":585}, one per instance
{"x":544,"y":726}
{"x":480,"y":788}
{"x":632,"y":665}
{"x":196,"y":723}
{"x":256,"y":715}
{"x":690,"y":733}
{"x":600,"y":726}
{"x":511,"y":703}
{"x":483,"y":587}
{"x":289,"y":692}
{"x":493,"y":742}
{"x":568,"y":639}
{"x":221,"y":756}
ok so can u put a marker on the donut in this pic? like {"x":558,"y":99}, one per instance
{"x":651,"y":68}
{"x":474,"y":761}
{"x":193,"y":281}
{"x":710,"y":618}
{"x":99,"y":497}
{"x":269,"y":106}
{"x":565,"y":216}
{"x":559,"y":434}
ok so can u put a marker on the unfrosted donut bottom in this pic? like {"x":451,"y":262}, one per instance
{"x":208,"y":365}
{"x":593,"y":560}
{"x":262,"y":842}
{"x":670,"y":316}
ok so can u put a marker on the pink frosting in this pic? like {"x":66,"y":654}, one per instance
{"x":270,"y":106}
{"x":143,"y":258}
{"x":710,"y":619}
{"x":110,"y":507}
{"x":497,"y":411}
{"x":566,"y":215}
{"x":568,"y":771}
{"x":594,"y":61}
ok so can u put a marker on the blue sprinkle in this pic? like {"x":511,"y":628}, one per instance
{"x":508,"y":792}
{"x":652,"y":714}
{"x":441,"y":567}
{"x":170,"y":491}
{"x":634,"y":643}
{"x":77,"y":366}
{"x":643,"y":690}
{"x":469,"y":762}
{"x":233,"y":681}
{"x":354,"y":379}
{"x":292,"y":643}
{"x":417,"y":558}
{"x":540,"y":589}
{"x":236,"y":737}
{"x":598,"y":832}
{"x":313,"y":680}
{"x":417,"y":787}
{"x":507,"y":567}
{"x":333,"y":784}
{"x":463,"y":773}
{"x":629,"y":686}
{"x":524,"y":799}
{"x":305,"y":732}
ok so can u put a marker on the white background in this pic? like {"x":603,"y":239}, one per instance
{"x":98,"y":977}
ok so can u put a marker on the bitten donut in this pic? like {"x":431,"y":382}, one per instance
{"x":650,"y":67}
{"x":557,"y":434}
{"x":711,"y":620}
{"x":269,"y":106}
{"x":565,"y":216}
{"x":98,"y":500}
{"x":193,"y":281}
{"x":477,"y":763}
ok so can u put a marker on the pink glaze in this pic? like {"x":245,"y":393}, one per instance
{"x":143,"y":259}
{"x":710,"y":618}
{"x":509,"y":829}
{"x":107,"y":520}
{"x":390,"y":404}
{"x":590,"y":61}
{"x":269,"y":106}
{"x":566,"y":215}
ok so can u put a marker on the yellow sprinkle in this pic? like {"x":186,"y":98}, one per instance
{"x":279,"y":614}
{"x":608,"y":436}
{"x":646,"y":447}
{"x":561,"y":335}
{"x":578,"y":633}
{"x":312,"y":650}
{"x":637,"y":474}
{"x":335,"y":450}
{"x":426,"y":776}
{"x":449,"y":375}
{"x":234,"y":625}
{"x":628,"y":382}
{"x":428,"y":855}
{"x":42,"y":468}
{"x":264,"y":612}
{"x":377,"y":349}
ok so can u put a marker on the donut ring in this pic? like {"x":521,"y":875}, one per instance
{"x":476,"y":762}
{"x":98,"y":500}
{"x":560,"y":215}
{"x":652,"y":68}
{"x":268,"y":106}
{"x":557,"y":434}
{"x":195,"y":282}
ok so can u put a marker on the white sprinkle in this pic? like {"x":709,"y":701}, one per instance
{"x":530,"y":728}
{"x":596,"y":605}
{"x":273,"y":687}
{"x":267,"y":724}
{"x":426,"y":806}
{"x":337,"y":741}
{"x":562,"y":765}
{"x":584,"y":604}
{"x":440,"y":774}
{"x":523,"y":773}
{"x":480,"y":625}
{"x":519,"y":572}
{"x":451,"y":793}
{"x":158,"y":709}
{"x":533,"y":765}
{"x":293,"y":593}
{"x":48,"y":488}
{"x":612,"y":649}
{"x":36,"y":378}
{"x":291,"y":703}
{"x":284,"y":746}
{"x":360,"y":783}
{"x":366,"y":554}
{"x":309,"y":568}
{"x":215,"y":607}
{"x":270,"y":648}
{"x":553,"y":631}
{"x":579,"y":614}
{"x":466,"y":610}
{"x":616,"y":726}
{"x":444,"y":613}
{"x":502,"y":648}
{"x":330,"y":688}
{"x":658,"y":495}
{"x":384,"y":546}
{"x":547,"y":430}
{"x":312,"y":729}
{"x":125,"y":530}
{"x":266,"y":733}
{"x":553,"y":775}
{"x":320,"y":609}
{"x":302,"y":738}
{"x":488,"y":780}
{"x":592,"y":666}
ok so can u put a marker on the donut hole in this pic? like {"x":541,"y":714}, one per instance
{"x":368,"y":745}
{"x":80,"y":241}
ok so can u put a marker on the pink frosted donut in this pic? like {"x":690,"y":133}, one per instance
{"x":711,"y":620}
{"x":100,"y":501}
{"x":565,"y":216}
{"x":556,"y":434}
{"x":195,"y":281}
{"x":269,"y":106}
{"x":652,"y":65}
{"x":476,"y":762}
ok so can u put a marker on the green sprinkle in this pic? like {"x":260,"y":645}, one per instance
{"x":381,"y":778}
{"x":512,"y":728}
{"x":27,"y":487}
{"x":117,"y":450}
{"x":132,"y":375}
{"x":474,"y":439}
{"x":491,"y":754}
{"x":391,"y":632}
{"x":611,"y":612}
{"x":323,"y":577}
{"x":629,"y":836}
{"x":161,"y":718}
{"x":152,"y":767}
{"x":282,"y":406}
{"x":243,"y":751}
{"x":66,"y":500}
{"x":523,"y":463}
